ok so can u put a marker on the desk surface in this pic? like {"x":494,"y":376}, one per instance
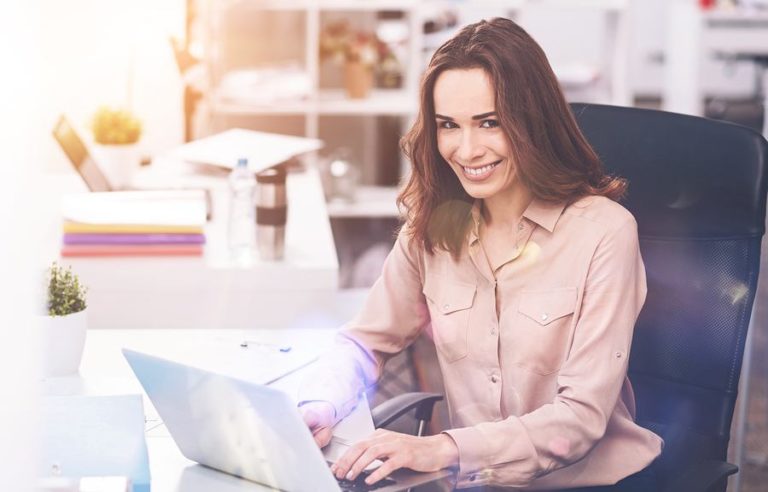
{"x":213,"y":291}
{"x":104,"y":371}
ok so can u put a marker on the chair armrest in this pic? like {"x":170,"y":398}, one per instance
{"x":396,"y":407}
{"x":700,"y":476}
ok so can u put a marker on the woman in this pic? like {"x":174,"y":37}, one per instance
{"x":529,"y":274}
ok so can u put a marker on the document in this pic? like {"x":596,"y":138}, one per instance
{"x":94,"y":436}
{"x":180,"y":208}
{"x":263,"y":150}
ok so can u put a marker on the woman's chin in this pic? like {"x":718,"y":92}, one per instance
{"x":479,"y":191}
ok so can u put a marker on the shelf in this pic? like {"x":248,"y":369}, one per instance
{"x":339,"y":5}
{"x":367,"y":5}
{"x":396,"y":102}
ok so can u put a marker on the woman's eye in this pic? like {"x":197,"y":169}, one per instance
{"x":489,"y":124}
{"x":446,"y":125}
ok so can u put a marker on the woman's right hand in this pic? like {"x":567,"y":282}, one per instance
{"x":319,"y":417}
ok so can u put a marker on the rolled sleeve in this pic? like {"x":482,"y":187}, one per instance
{"x":480,"y":453}
{"x":392,"y":317}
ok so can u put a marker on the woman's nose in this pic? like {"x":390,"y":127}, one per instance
{"x":469,"y":148}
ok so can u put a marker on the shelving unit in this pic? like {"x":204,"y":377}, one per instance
{"x":320,"y":102}
{"x":323,"y":104}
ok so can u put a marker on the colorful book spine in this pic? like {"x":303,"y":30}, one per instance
{"x":139,"y":238}
{"x":71,"y":250}
{"x":83,"y":228}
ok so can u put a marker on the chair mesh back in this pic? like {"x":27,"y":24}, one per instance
{"x":697,"y":188}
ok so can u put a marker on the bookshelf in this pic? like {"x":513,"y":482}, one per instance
{"x":325,"y":107}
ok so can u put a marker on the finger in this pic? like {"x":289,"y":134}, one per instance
{"x":349,"y":457}
{"x":376,"y":451}
{"x":342,"y":466}
{"x":384,"y":470}
{"x":310,"y":417}
{"x":323,"y":436}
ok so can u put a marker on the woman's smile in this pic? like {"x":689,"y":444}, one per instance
{"x":480,"y":173}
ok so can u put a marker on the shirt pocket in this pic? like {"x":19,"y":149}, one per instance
{"x":450,"y":306}
{"x":543,"y":325}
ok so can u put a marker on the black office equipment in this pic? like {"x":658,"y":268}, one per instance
{"x":697,"y":188}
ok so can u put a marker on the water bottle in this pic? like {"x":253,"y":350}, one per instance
{"x":242,"y":232}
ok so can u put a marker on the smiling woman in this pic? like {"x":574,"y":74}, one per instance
{"x":517,"y":256}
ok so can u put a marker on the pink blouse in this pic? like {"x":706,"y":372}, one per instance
{"x":538,"y":394}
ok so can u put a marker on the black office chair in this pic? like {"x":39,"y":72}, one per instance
{"x":697,"y":188}
{"x":698,"y":191}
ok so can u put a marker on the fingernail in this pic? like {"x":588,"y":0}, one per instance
{"x":349,"y":475}
{"x":333,"y":468}
{"x":369,"y":480}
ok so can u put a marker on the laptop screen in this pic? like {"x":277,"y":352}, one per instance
{"x":78,"y":155}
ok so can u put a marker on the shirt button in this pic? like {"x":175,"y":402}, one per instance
{"x":472,"y":478}
{"x":446,"y":306}
{"x":618,"y":355}
{"x":494,"y":378}
{"x":544,"y":317}
{"x":493,"y":331}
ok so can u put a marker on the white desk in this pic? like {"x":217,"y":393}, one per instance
{"x":105,"y":371}
{"x":212,"y":291}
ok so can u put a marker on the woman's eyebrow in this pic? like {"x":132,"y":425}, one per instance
{"x":484,"y":115}
{"x":475,"y":117}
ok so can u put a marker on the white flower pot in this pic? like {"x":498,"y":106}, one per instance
{"x":63,"y":339}
{"x":120,"y":162}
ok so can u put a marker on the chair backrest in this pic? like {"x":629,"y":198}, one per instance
{"x":697,"y":188}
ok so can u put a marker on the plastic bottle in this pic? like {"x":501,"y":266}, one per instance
{"x":241,"y":234}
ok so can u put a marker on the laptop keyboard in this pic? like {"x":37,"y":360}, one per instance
{"x":359,"y":485}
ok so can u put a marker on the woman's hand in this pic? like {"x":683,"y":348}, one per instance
{"x":424,"y":454}
{"x":319,"y":417}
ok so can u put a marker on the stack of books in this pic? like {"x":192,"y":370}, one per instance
{"x":134,"y":223}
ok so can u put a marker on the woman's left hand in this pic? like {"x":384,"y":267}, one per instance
{"x":423,"y":454}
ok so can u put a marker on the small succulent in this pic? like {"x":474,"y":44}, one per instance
{"x":115,"y":127}
{"x":65,"y":293}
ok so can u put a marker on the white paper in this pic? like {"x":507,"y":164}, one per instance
{"x":263,"y":150}
{"x":172,"y":207}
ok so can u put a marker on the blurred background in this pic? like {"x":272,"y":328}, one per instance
{"x":342,"y":71}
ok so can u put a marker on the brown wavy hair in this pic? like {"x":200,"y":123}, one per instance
{"x":552,"y":157}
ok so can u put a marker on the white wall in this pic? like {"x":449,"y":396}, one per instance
{"x":649,"y":24}
{"x":111,"y":52}
{"x":19,"y":98}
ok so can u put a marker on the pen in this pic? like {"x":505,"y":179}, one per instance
{"x":256,"y":343}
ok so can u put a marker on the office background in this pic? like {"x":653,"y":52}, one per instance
{"x":76,"y":55}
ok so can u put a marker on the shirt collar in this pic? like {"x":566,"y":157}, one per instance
{"x":544,"y":214}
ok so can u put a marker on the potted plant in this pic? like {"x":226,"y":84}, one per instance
{"x":357,"y":51}
{"x":66,"y":322}
{"x":117,"y":133}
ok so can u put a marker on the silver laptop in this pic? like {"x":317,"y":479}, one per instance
{"x":245,"y":429}
{"x":89,"y":169}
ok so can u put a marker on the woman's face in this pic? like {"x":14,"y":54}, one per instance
{"x":469,"y":137}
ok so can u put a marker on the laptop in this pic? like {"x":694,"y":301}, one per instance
{"x":89,"y":169}
{"x":246,"y":429}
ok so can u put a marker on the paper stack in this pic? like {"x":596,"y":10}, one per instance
{"x":134,"y":223}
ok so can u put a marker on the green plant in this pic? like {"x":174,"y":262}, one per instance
{"x":340,"y":43}
{"x":65,"y":293}
{"x":115,"y":127}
